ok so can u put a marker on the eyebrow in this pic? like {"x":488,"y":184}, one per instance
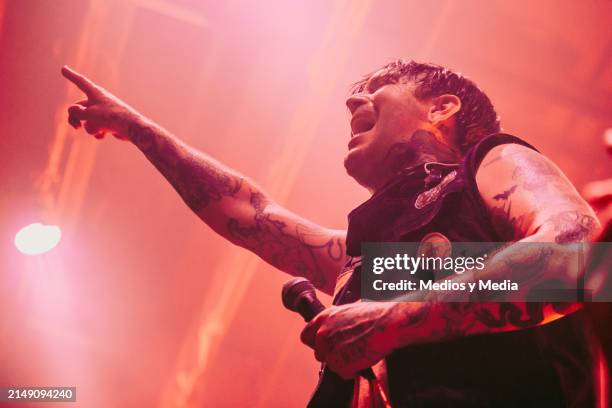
{"x":372,"y":84}
{"x":377,"y":81}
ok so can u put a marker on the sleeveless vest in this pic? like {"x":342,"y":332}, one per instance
{"x":541,"y":366}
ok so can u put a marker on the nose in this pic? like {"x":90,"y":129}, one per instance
{"x":355,"y":101}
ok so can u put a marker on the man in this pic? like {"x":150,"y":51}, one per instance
{"x":419,"y":134}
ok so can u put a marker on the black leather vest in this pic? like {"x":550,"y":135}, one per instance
{"x":542,"y":366}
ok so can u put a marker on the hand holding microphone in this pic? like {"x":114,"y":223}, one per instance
{"x":299,"y":296}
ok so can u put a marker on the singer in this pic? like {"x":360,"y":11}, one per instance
{"x":426,"y":142}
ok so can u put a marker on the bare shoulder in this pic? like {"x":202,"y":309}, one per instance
{"x":524,"y":191}
{"x":507,"y":163}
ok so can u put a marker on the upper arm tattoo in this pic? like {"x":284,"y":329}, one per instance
{"x":508,"y":225}
{"x":548,"y":188}
{"x":572,"y":226}
{"x":295,"y":249}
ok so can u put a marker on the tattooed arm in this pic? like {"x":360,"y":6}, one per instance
{"x":530,"y":200}
{"x":231,"y":204}
{"x":237,"y":209}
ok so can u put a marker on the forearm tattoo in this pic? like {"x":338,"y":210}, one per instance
{"x":359,"y":336}
{"x":296,"y":251}
{"x":532,"y":267}
{"x":447,"y":321}
{"x":202,"y":181}
{"x":198,"y":180}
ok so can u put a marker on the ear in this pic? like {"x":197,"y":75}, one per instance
{"x":443,"y":108}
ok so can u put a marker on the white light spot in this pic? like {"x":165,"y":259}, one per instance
{"x":37,"y":238}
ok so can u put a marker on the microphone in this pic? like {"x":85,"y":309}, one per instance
{"x":299,"y":296}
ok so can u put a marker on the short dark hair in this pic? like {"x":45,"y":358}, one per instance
{"x":476,"y":118}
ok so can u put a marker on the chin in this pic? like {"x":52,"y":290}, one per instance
{"x":351,"y":162}
{"x":355,"y":167}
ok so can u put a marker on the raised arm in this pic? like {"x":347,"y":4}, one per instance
{"x":231,"y":204}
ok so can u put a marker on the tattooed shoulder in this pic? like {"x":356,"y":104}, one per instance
{"x":523,"y":189}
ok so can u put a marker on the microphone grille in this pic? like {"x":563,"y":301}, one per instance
{"x":293,"y":290}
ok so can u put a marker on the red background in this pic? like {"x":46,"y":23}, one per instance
{"x":141,"y":304}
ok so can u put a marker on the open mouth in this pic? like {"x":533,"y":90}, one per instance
{"x":362,"y":122}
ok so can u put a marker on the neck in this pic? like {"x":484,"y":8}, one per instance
{"x":423,"y":146}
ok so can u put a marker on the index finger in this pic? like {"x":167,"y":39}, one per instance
{"x":82,"y":82}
